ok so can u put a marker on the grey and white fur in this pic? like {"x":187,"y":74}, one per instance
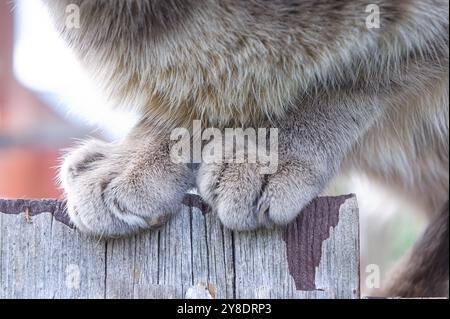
{"x":342,"y":95}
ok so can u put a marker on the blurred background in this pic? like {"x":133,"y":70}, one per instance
{"x":46,"y":103}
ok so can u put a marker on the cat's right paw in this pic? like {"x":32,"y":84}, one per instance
{"x":116,"y":190}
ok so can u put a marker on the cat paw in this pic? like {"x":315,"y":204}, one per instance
{"x":245,"y":199}
{"x":116,"y":190}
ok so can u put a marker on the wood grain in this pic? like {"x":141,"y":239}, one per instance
{"x":192,"y":256}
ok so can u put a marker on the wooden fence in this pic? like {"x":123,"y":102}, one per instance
{"x":192,"y":256}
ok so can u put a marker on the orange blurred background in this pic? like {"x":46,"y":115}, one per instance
{"x":27,"y":162}
{"x":45,"y":102}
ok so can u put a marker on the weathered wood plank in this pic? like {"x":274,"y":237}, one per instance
{"x":76,"y":263}
{"x":46,"y":259}
{"x":19,"y":276}
{"x":192,"y":256}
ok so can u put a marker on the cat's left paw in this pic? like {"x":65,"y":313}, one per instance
{"x":245,"y":199}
